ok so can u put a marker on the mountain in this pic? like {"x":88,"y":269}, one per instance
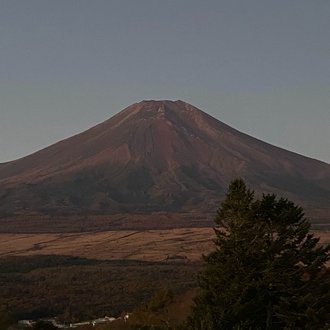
{"x":157,"y":156}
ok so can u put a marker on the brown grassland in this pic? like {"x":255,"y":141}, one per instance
{"x":146,"y":245}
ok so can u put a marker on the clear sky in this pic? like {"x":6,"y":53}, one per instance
{"x":261,"y":66}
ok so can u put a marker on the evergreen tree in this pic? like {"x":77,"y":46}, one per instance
{"x":267,"y":271}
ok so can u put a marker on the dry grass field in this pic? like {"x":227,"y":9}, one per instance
{"x":148,"y":245}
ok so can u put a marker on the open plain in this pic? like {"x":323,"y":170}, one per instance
{"x":149,"y":245}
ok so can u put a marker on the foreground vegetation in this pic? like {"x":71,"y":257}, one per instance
{"x":79,"y":289}
{"x":268,"y":271}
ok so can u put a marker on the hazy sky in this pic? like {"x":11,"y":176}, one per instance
{"x":261,"y":66}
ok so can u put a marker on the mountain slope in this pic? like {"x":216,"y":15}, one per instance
{"x":156,"y":156}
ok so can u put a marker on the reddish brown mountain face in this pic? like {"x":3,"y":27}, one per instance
{"x":157,"y":156}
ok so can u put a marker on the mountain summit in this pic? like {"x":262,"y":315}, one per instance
{"x":156,"y":156}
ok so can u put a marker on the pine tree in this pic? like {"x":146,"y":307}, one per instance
{"x":267,"y":271}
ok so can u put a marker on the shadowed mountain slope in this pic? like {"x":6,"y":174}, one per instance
{"x":157,"y":156}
